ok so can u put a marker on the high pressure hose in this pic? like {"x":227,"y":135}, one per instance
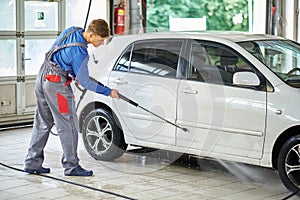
{"x":72,"y":183}
{"x":76,"y":83}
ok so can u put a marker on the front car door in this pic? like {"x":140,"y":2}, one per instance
{"x":223,"y":119}
{"x":146,"y":73}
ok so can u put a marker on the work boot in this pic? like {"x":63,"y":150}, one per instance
{"x":79,"y":171}
{"x":41,"y":170}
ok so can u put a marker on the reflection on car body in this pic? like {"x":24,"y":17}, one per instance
{"x":237,"y":93}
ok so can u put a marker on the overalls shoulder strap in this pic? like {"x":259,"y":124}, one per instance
{"x":57,"y":46}
{"x":66,"y":35}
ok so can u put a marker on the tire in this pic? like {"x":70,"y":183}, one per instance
{"x":289,"y":163}
{"x":102,"y":138}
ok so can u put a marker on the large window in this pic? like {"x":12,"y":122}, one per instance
{"x":8,"y":59}
{"x":7,"y":14}
{"x":8,"y":45}
{"x":218,"y":15}
{"x":35,"y":50}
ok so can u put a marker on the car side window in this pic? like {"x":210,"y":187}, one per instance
{"x":124,"y":62}
{"x":214,"y":63}
{"x":153,"y":57}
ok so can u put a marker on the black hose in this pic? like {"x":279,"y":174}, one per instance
{"x":56,"y":134}
{"x":87,"y":15}
{"x":83,"y":91}
{"x":76,"y":84}
{"x":72,"y":183}
{"x":291,"y":195}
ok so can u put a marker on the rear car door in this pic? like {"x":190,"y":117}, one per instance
{"x":223,"y":119}
{"x":146,"y":73}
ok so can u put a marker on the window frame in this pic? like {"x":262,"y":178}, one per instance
{"x":264,"y":83}
{"x":130,"y":47}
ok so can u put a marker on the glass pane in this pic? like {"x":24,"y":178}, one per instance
{"x":215,"y":64}
{"x":281,"y":56}
{"x":159,"y":58}
{"x":41,"y":16}
{"x":210,"y":14}
{"x":77,"y":10}
{"x":123,"y":64}
{"x":8,"y":65}
{"x":7,"y":12}
{"x":35,"y":50}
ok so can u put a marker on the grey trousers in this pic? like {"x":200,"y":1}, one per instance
{"x":55,"y":103}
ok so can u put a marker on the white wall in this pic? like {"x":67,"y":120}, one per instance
{"x":298,"y":24}
{"x":259,"y":16}
{"x":289,"y":23}
{"x":76,"y":11}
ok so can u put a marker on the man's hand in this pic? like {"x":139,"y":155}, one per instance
{"x":114,"y":94}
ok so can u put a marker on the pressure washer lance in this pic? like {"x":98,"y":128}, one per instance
{"x":137,"y":105}
{"x":127,"y":100}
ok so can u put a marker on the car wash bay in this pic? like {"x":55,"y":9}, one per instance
{"x":29,"y":29}
{"x":139,"y":175}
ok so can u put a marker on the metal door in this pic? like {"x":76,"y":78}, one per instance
{"x":26,"y":34}
{"x":224,"y":120}
{"x":151,"y":81}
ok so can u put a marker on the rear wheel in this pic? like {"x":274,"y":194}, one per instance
{"x":102,"y":138}
{"x":289,"y":163}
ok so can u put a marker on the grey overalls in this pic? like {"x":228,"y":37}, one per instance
{"x":55,"y":104}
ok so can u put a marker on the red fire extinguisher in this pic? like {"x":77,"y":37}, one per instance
{"x":119,"y":19}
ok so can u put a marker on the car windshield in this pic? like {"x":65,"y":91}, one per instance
{"x":281,"y":56}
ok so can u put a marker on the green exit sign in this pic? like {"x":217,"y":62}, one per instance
{"x":40,"y":15}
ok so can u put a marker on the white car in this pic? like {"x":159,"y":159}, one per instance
{"x":220,"y":95}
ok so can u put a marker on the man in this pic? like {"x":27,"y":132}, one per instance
{"x":67,"y":60}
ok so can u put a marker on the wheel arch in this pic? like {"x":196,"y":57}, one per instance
{"x":93,"y":106}
{"x":281,"y":140}
{"x":115,"y":140}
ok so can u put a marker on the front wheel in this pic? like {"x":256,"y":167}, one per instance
{"x":289,"y":163}
{"x":102,"y":138}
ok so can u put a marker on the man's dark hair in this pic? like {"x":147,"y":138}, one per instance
{"x":99,"y":27}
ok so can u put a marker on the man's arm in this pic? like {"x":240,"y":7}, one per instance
{"x":82,"y":75}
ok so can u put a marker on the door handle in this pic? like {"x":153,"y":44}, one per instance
{"x":188,"y":91}
{"x":278,"y":112}
{"x":120,"y":81}
{"x":23,"y":61}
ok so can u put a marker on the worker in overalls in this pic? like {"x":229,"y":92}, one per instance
{"x":67,"y":60}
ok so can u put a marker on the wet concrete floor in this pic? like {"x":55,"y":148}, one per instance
{"x":139,"y":174}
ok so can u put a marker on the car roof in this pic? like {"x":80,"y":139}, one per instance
{"x":236,"y":36}
{"x":210,"y":35}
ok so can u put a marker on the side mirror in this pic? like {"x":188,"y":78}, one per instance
{"x":246,"y":79}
